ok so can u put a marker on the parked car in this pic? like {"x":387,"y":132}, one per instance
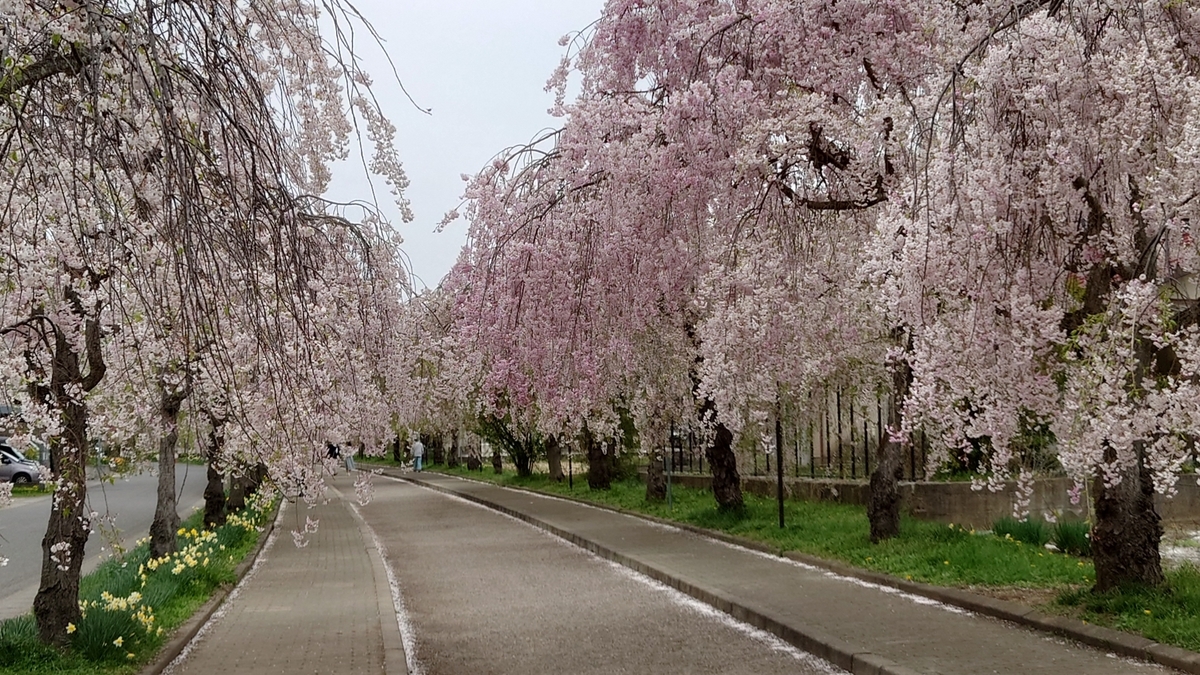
{"x":16,"y":469}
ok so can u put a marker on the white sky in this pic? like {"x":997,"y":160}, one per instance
{"x":481,"y":66}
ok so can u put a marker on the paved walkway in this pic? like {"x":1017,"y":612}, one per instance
{"x":880,"y":629}
{"x":315,"y":610}
{"x":490,"y":595}
{"x":328,"y":608}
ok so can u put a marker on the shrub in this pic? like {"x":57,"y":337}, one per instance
{"x":1028,"y":531}
{"x":1073,"y":537}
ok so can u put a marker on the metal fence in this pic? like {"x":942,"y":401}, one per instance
{"x":837,"y":436}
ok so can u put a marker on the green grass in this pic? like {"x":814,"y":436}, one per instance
{"x":1168,"y":614}
{"x":131,"y":603}
{"x":29,"y":490}
{"x":924,"y":551}
{"x":1032,"y":531}
{"x":928,"y":552}
{"x":1072,"y":536}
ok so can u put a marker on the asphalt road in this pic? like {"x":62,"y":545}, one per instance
{"x":129,"y":501}
{"x":487,"y":594}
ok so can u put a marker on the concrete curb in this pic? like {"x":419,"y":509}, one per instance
{"x":395,"y":661}
{"x":187,"y":630}
{"x":858,"y":662}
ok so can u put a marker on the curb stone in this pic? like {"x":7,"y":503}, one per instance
{"x":840,"y":654}
{"x":186,"y":631}
{"x":395,"y":660}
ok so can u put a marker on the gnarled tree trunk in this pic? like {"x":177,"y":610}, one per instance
{"x":554,"y":459}
{"x":237,"y":493}
{"x":883,"y":501}
{"x":57,"y":601}
{"x":452,"y":457}
{"x":1127,"y":532}
{"x":166,"y":516}
{"x":214,"y":488}
{"x":726,"y":481}
{"x":497,"y":461}
{"x":600,"y":462}
{"x":656,"y":480}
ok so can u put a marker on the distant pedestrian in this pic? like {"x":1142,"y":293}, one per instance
{"x":333,"y":452}
{"x":350,"y":460}
{"x":418,"y":451}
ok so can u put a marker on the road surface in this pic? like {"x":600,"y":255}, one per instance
{"x":487,"y":594}
{"x":130,"y":501}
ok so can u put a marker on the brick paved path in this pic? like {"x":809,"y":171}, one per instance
{"x":304,"y":610}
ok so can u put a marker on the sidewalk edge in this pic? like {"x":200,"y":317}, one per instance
{"x":858,"y":663}
{"x":187,"y":630}
{"x":395,"y":660}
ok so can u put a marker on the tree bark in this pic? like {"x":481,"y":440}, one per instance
{"x":1127,"y":532}
{"x":437,"y":450}
{"x":883,"y":501}
{"x":397,"y":457}
{"x":600,"y":463}
{"x":554,"y":459}
{"x":497,"y":461}
{"x":57,"y":601}
{"x":166,"y":516}
{"x":237,"y":494}
{"x":452,"y":458}
{"x":656,"y":480}
{"x":726,"y":481}
{"x":214,"y":489}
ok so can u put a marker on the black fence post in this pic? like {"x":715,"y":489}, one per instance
{"x":841,"y":460}
{"x":853,"y":445}
{"x":779,"y":465}
{"x":796,"y":450}
{"x":866,"y":451}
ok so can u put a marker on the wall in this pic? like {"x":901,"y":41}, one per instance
{"x":956,"y":502}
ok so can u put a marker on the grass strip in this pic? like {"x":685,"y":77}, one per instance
{"x":131,"y":602}
{"x":931,"y":553}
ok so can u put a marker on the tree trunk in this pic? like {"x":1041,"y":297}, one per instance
{"x":57,"y":601}
{"x":237,"y":494}
{"x":523,"y":456}
{"x":883,"y":502}
{"x":656,"y":480}
{"x":554,"y":459}
{"x":1127,"y":532}
{"x":166,"y":516}
{"x":497,"y":461}
{"x":726,"y":481}
{"x":397,"y":457}
{"x":255,"y":477}
{"x":437,"y":450}
{"x":214,"y":489}
{"x":883,"y":499}
{"x":214,"y":498}
{"x":452,"y":458}
{"x":600,"y":463}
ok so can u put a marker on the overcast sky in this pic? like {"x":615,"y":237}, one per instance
{"x":481,"y":66}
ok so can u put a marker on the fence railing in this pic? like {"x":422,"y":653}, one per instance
{"x":839,"y":438}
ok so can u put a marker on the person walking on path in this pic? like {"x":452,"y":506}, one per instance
{"x":418,"y":452}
